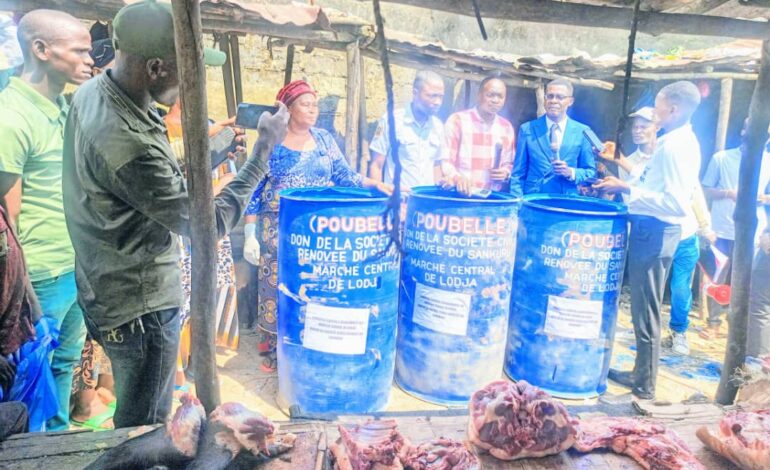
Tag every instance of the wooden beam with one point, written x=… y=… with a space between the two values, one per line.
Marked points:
x=446 y=69
x=214 y=19
x=363 y=150
x=203 y=235
x=227 y=74
x=627 y=76
x=494 y=65
x=540 y=98
x=656 y=76
x=289 y=70
x=594 y=16
x=723 y=120
x=235 y=59
x=352 y=102
x=745 y=226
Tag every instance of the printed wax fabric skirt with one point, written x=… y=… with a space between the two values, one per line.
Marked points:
x=93 y=362
x=226 y=307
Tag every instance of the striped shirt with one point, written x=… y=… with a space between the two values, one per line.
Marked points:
x=471 y=146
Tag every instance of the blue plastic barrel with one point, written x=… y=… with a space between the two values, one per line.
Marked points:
x=337 y=301
x=570 y=255
x=454 y=294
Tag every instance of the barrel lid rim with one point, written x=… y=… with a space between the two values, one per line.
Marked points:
x=533 y=199
x=422 y=192
x=294 y=194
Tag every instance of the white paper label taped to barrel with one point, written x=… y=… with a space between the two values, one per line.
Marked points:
x=336 y=330
x=441 y=310
x=573 y=318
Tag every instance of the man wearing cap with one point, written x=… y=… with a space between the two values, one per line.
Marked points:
x=643 y=133
x=659 y=204
x=124 y=195
x=552 y=155
x=32 y=116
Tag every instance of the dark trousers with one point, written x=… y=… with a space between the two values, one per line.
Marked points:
x=143 y=353
x=13 y=419
x=651 y=248
x=758 y=341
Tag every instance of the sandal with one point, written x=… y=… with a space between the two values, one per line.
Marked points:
x=96 y=423
x=269 y=363
x=711 y=334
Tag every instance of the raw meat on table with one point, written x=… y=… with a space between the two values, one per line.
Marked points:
x=374 y=445
x=743 y=437
x=518 y=420
x=440 y=454
x=652 y=445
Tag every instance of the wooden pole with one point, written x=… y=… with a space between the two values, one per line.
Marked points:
x=353 y=105
x=235 y=59
x=627 y=77
x=363 y=151
x=723 y=121
x=745 y=225
x=192 y=87
x=227 y=74
x=540 y=97
x=289 y=64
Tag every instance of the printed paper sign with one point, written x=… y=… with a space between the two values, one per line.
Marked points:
x=336 y=330
x=573 y=318
x=440 y=310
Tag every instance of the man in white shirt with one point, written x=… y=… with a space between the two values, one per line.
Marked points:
x=659 y=203
x=420 y=136
x=720 y=184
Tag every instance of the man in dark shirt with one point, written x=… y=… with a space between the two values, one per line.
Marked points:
x=124 y=195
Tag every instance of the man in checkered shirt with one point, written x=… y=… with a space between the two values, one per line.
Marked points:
x=480 y=144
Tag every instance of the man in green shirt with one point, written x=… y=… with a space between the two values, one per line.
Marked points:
x=55 y=46
x=124 y=195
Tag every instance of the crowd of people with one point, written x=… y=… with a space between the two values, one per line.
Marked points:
x=94 y=193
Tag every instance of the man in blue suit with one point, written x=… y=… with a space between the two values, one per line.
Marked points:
x=552 y=155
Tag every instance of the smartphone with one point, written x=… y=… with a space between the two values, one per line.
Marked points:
x=248 y=114
x=593 y=140
x=220 y=145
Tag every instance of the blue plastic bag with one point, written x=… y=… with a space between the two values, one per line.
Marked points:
x=34 y=384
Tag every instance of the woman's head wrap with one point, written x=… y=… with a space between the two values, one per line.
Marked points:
x=288 y=94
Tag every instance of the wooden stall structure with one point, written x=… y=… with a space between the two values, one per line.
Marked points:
x=312 y=27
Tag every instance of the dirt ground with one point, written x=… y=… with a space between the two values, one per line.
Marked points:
x=679 y=377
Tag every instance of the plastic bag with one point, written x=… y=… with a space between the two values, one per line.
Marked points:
x=34 y=384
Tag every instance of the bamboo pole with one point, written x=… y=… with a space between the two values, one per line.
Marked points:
x=745 y=226
x=723 y=120
x=192 y=87
x=353 y=106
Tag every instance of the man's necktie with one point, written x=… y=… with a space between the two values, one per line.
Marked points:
x=555 y=131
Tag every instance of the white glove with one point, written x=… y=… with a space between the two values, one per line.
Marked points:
x=251 y=245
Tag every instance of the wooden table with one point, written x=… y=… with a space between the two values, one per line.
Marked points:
x=74 y=450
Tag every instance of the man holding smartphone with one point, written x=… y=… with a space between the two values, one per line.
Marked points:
x=660 y=202
x=552 y=154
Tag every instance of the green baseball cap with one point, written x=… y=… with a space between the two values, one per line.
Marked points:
x=147 y=28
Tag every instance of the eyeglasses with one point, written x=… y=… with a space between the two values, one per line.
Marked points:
x=554 y=96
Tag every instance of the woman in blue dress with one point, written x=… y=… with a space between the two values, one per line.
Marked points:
x=307 y=157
